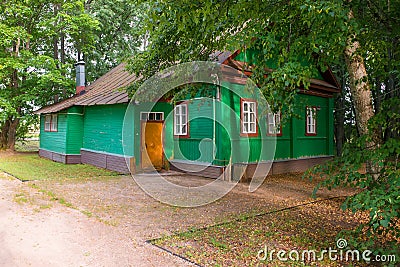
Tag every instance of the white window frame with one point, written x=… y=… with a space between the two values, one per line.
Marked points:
x=248 y=116
x=274 y=123
x=181 y=120
x=51 y=123
x=152 y=116
x=311 y=121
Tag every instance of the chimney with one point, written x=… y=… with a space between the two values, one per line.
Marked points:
x=80 y=77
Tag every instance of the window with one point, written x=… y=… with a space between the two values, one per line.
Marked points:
x=274 y=124
x=151 y=116
x=50 y=123
x=181 y=120
x=311 y=121
x=249 y=117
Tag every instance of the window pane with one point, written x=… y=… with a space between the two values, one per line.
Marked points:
x=54 y=123
x=277 y=118
x=252 y=104
x=246 y=117
x=177 y=110
x=270 y=119
x=252 y=127
x=252 y=117
x=47 y=122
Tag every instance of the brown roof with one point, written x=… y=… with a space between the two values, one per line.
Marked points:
x=220 y=56
x=108 y=89
x=330 y=83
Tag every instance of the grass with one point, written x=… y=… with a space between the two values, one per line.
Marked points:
x=20 y=198
x=27 y=145
x=29 y=167
x=238 y=242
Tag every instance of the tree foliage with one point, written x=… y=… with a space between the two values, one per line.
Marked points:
x=118 y=36
x=33 y=71
x=287 y=34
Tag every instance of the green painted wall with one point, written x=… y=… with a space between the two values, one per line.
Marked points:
x=294 y=143
x=322 y=143
x=74 y=130
x=103 y=128
x=247 y=149
x=54 y=141
x=68 y=138
x=200 y=145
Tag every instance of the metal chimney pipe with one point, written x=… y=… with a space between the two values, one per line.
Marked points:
x=80 y=77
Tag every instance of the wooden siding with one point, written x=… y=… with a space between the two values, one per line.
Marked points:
x=106 y=161
x=58 y=157
x=45 y=153
x=68 y=138
x=278 y=167
x=196 y=169
x=292 y=144
x=248 y=170
x=54 y=141
x=94 y=158
x=199 y=146
x=297 y=165
x=322 y=142
x=252 y=148
x=74 y=130
x=73 y=159
x=103 y=128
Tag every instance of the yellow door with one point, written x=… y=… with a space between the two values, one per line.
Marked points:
x=152 y=150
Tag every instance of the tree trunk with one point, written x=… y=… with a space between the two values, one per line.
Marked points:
x=9 y=129
x=361 y=94
x=12 y=134
x=4 y=135
x=8 y=134
x=62 y=58
x=55 y=38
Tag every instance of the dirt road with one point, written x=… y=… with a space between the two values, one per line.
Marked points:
x=61 y=236
x=107 y=222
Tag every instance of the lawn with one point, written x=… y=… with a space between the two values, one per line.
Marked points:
x=238 y=243
x=29 y=166
x=29 y=145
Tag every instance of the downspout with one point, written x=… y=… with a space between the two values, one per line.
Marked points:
x=216 y=97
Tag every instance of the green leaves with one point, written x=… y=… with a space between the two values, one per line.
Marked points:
x=38 y=43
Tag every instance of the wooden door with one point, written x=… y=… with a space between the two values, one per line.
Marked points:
x=152 y=149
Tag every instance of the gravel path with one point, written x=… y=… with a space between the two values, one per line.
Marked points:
x=107 y=222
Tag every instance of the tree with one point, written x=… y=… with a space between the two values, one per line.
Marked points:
x=118 y=37
x=31 y=70
x=364 y=33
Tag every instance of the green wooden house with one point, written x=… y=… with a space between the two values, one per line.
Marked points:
x=89 y=128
